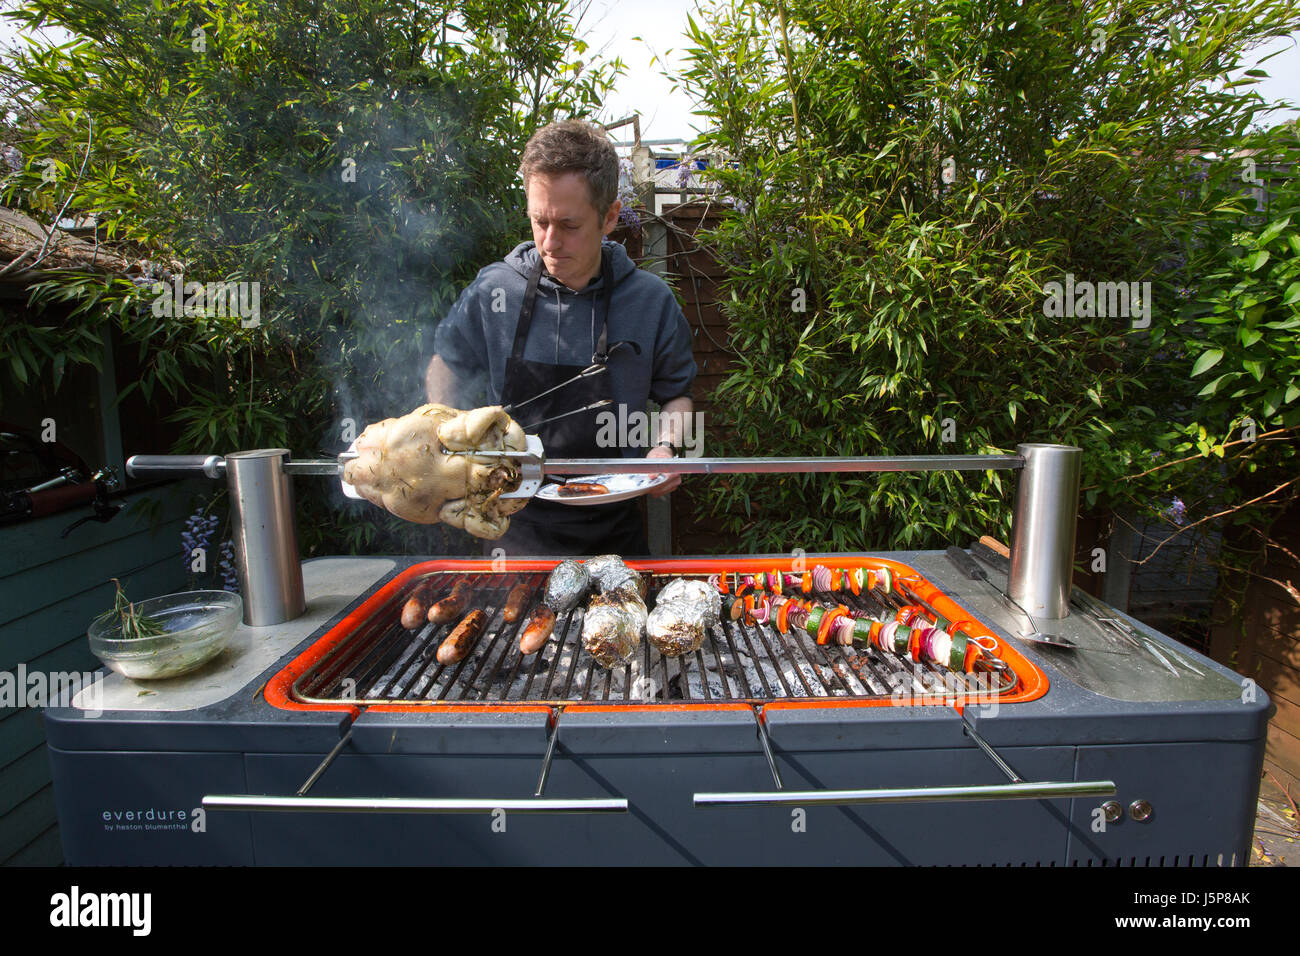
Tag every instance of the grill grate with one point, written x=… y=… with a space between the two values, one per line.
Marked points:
x=383 y=663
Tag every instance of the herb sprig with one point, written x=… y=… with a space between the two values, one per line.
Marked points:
x=134 y=624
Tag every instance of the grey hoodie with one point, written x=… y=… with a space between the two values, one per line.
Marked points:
x=476 y=337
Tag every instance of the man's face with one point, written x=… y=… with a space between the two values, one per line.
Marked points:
x=566 y=227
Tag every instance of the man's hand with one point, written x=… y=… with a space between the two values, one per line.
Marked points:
x=663 y=451
x=672 y=419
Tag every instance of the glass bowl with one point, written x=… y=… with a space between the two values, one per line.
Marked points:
x=197 y=626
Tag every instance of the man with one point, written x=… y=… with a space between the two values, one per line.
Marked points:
x=555 y=306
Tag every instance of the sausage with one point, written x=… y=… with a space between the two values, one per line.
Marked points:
x=462 y=638
x=575 y=488
x=537 y=631
x=416 y=609
x=515 y=601
x=452 y=606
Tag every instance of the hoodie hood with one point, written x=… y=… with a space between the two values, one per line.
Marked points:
x=524 y=257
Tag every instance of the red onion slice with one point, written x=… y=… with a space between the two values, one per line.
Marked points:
x=843 y=630
x=821 y=578
x=887 y=636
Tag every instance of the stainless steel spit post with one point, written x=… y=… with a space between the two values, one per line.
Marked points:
x=1042 y=529
x=266 y=541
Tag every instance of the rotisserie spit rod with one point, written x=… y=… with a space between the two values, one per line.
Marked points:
x=1047 y=493
x=712 y=466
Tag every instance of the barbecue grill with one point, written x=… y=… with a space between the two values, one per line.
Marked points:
x=336 y=737
x=373 y=661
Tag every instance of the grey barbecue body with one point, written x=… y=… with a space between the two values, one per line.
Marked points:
x=1185 y=757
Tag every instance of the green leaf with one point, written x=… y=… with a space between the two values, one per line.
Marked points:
x=1273 y=231
x=889 y=148
x=1207 y=361
x=1213 y=386
x=1256 y=259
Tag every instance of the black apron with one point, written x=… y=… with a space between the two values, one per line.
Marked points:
x=546 y=527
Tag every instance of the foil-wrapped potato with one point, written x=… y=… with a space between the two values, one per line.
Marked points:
x=402 y=465
x=613 y=626
x=684 y=611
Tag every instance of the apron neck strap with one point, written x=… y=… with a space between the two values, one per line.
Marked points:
x=607 y=278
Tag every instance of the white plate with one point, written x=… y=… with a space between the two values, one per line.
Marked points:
x=621 y=487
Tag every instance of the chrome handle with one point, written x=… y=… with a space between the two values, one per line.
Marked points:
x=1003 y=791
x=175 y=466
x=409 y=804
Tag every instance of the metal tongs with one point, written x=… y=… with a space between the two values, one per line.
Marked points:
x=1101 y=617
x=585 y=373
x=967 y=565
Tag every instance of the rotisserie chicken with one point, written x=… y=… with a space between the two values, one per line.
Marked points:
x=403 y=466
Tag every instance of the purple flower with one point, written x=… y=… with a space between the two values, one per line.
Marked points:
x=627 y=217
x=685 y=169
x=197 y=534
x=1176 y=512
x=229 y=576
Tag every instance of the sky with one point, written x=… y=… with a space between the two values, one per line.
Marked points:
x=639 y=30
x=614 y=26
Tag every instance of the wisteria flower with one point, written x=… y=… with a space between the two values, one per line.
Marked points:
x=1176 y=512
x=198 y=533
x=627 y=216
x=685 y=169
x=229 y=576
